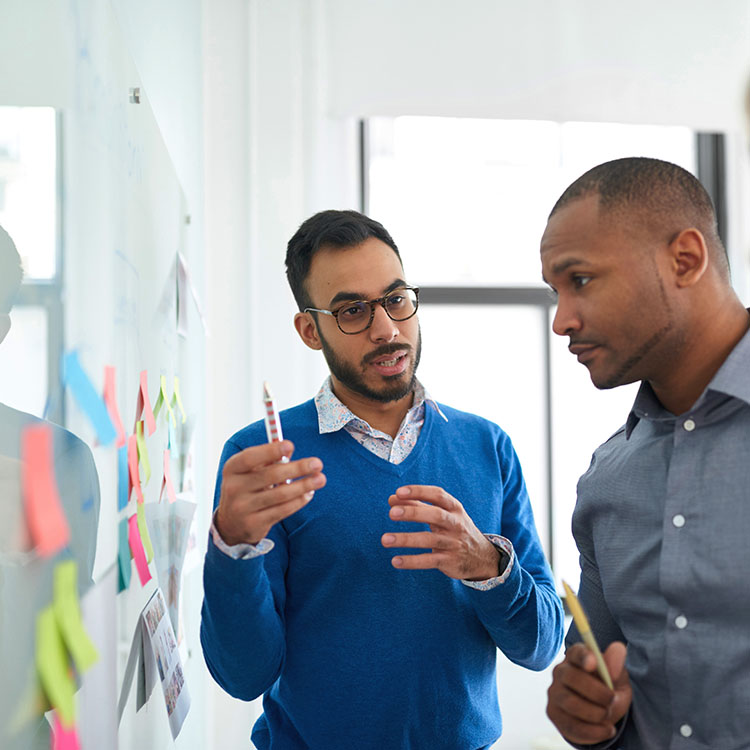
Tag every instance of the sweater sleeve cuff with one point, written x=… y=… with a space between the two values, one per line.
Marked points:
x=507 y=557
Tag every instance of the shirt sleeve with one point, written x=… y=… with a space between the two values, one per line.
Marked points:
x=239 y=551
x=243 y=602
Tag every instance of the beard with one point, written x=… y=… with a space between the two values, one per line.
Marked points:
x=395 y=387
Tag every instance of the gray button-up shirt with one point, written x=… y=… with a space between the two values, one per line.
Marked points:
x=662 y=523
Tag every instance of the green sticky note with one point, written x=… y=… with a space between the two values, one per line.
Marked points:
x=123 y=556
x=53 y=666
x=140 y=440
x=69 y=619
x=143 y=529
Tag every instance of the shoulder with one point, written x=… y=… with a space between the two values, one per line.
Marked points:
x=470 y=423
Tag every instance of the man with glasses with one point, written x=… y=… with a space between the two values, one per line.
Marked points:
x=369 y=616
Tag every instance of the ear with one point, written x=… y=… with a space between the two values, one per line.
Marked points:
x=4 y=326
x=307 y=330
x=689 y=257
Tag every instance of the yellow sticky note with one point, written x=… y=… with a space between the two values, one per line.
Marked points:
x=69 y=619
x=53 y=666
x=163 y=394
x=177 y=399
x=140 y=440
x=143 y=529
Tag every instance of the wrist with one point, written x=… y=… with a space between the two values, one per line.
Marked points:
x=491 y=565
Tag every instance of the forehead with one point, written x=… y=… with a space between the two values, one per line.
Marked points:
x=366 y=269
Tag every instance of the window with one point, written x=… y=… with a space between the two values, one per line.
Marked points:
x=29 y=212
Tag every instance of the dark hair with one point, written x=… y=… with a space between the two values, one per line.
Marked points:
x=337 y=229
x=661 y=192
x=11 y=272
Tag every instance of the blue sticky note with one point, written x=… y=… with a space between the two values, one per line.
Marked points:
x=123 y=555
x=88 y=399
x=174 y=448
x=122 y=477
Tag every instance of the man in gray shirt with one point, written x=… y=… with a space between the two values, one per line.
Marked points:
x=663 y=512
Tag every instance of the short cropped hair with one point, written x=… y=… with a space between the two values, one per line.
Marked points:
x=327 y=229
x=662 y=193
x=11 y=272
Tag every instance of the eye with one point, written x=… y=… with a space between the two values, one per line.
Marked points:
x=353 y=310
x=395 y=300
x=580 y=281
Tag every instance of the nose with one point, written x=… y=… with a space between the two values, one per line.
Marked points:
x=383 y=329
x=566 y=320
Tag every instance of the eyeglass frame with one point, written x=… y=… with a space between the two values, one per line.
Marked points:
x=371 y=302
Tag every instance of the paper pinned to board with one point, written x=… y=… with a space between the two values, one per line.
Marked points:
x=87 y=398
x=123 y=556
x=184 y=282
x=44 y=513
x=140 y=441
x=163 y=400
x=136 y=547
x=177 y=399
x=53 y=666
x=62 y=738
x=110 y=400
x=135 y=479
x=68 y=614
x=143 y=406
x=166 y=481
x=143 y=531
x=123 y=477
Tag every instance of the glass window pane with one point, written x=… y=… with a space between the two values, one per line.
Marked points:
x=489 y=360
x=23 y=361
x=28 y=187
x=582 y=418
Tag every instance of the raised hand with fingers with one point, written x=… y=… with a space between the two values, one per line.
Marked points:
x=258 y=491
x=456 y=546
x=579 y=704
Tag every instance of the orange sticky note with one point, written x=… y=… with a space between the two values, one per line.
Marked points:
x=167 y=480
x=136 y=547
x=144 y=405
x=64 y=739
x=135 y=479
x=110 y=399
x=47 y=523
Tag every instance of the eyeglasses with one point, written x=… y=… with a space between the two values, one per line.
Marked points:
x=357 y=316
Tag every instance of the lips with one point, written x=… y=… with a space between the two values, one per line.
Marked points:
x=391 y=363
x=584 y=351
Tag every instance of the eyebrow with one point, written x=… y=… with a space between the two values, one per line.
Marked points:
x=565 y=264
x=357 y=296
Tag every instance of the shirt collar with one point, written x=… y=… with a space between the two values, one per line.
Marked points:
x=333 y=415
x=731 y=379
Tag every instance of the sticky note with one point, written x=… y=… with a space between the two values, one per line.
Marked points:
x=123 y=556
x=68 y=614
x=172 y=440
x=167 y=480
x=163 y=400
x=136 y=547
x=135 y=479
x=143 y=530
x=53 y=666
x=177 y=399
x=142 y=451
x=110 y=400
x=123 y=478
x=46 y=520
x=88 y=399
x=144 y=404
x=64 y=739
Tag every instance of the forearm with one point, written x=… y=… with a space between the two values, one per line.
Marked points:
x=242 y=634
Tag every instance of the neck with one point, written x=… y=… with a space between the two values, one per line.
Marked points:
x=713 y=335
x=384 y=416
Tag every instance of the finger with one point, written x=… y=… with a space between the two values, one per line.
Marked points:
x=422 y=513
x=257 y=456
x=253 y=501
x=614 y=658
x=427 y=561
x=419 y=539
x=584 y=682
x=272 y=515
x=294 y=470
x=581 y=656
x=429 y=494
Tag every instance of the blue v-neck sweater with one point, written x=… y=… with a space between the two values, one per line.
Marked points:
x=350 y=652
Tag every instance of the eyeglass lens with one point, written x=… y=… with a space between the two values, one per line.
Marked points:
x=355 y=316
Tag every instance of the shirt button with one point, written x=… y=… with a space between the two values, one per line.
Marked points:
x=689 y=425
x=679 y=520
x=681 y=622
x=686 y=730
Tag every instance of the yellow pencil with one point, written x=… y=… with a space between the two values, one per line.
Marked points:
x=582 y=623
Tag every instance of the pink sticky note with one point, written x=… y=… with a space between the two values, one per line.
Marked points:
x=135 y=479
x=110 y=399
x=167 y=480
x=144 y=405
x=47 y=523
x=136 y=547
x=64 y=739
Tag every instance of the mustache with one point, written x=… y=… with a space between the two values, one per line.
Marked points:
x=385 y=349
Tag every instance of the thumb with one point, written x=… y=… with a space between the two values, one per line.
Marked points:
x=614 y=658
